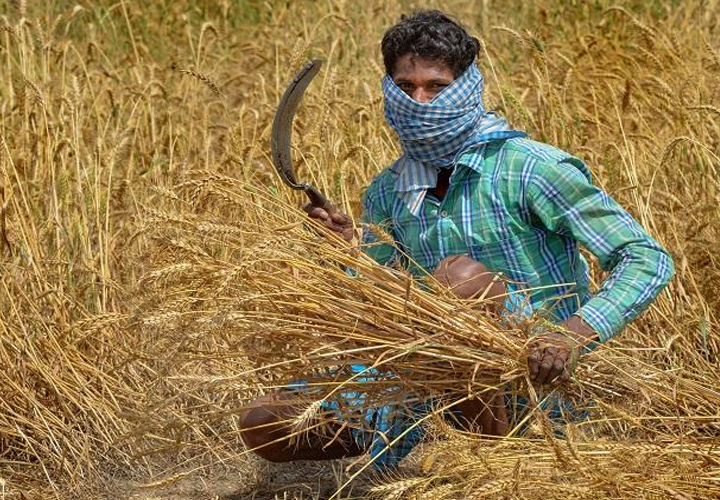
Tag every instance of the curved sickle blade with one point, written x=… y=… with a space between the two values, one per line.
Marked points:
x=280 y=142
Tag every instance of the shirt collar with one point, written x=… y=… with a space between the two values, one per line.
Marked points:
x=413 y=178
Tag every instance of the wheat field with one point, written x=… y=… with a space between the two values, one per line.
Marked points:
x=155 y=273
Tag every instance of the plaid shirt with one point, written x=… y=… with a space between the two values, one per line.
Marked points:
x=522 y=209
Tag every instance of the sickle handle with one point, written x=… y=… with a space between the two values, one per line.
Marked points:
x=317 y=199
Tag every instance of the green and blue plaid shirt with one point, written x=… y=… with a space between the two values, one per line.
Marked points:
x=522 y=208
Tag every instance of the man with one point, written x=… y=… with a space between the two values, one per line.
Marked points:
x=470 y=194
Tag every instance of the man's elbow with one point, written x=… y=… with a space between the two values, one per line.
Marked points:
x=665 y=268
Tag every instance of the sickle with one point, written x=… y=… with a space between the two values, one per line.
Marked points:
x=280 y=141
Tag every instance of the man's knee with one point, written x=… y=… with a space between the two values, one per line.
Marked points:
x=469 y=279
x=263 y=431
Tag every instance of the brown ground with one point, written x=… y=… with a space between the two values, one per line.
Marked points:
x=265 y=481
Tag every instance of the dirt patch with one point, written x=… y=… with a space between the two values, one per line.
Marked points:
x=258 y=480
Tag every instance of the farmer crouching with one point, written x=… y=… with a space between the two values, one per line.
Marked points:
x=469 y=185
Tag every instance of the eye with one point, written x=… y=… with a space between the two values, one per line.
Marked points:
x=406 y=87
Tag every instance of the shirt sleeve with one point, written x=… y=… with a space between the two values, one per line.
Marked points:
x=378 y=237
x=567 y=203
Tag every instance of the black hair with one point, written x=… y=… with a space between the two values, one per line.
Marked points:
x=431 y=35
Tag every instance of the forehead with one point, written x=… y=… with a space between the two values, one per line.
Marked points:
x=411 y=66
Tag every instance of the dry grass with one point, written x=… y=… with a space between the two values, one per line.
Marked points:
x=463 y=467
x=155 y=274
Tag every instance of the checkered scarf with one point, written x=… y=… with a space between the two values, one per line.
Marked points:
x=437 y=133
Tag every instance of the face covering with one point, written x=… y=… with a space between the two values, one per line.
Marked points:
x=435 y=134
x=438 y=132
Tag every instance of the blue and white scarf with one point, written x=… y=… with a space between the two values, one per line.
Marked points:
x=436 y=134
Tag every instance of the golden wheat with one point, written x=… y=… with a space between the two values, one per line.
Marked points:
x=155 y=273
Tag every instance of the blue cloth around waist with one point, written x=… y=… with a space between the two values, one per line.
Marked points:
x=390 y=431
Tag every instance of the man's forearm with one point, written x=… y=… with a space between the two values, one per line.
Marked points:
x=579 y=330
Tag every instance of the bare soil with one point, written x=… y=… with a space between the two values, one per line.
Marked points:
x=303 y=480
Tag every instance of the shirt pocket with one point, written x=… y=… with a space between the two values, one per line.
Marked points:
x=509 y=257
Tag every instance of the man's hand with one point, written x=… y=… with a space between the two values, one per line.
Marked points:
x=335 y=220
x=553 y=354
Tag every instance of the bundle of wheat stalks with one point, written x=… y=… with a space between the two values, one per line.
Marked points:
x=297 y=301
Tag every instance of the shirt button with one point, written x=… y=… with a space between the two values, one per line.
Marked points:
x=443 y=214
